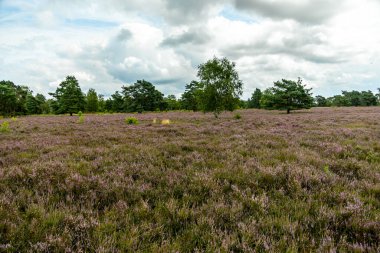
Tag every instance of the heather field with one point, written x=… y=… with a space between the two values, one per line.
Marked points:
x=304 y=182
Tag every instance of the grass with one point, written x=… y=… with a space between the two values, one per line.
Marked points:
x=267 y=182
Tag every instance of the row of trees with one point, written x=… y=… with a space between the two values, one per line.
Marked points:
x=347 y=98
x=217 y=89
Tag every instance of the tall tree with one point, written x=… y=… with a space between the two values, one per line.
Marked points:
x=118 y=104
x=254 y=102
x=172 y=103
x=92 y=101
x=143 y=96
x=220 y=86
x=190 y=98
x=8 y=98
x=321 y=101
x=69 y=97
x=367 y=98
x=287 y=95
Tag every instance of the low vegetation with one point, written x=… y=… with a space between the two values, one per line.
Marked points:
x=307 y=182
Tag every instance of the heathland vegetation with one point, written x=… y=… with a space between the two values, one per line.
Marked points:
x=183 y=181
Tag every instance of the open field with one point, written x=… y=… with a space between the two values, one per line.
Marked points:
x=308 y=181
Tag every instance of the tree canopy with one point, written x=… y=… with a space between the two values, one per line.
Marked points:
x=219 y=85
x=287 y=95
x=254 y=102
x=68 y=97
x=142 y=96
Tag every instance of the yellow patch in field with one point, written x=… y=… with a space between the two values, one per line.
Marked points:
x=165 y=122
x=154 y=121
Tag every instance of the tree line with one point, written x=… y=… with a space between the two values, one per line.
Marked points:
x=217 y=89
x=347 y=99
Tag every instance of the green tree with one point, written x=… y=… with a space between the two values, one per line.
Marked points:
x=32 y=105
x=220 y=86
x=191 y=97
x=172 y=103
x=254 y=102
x=118 y=104
x=287 y=95
x=367 y=98
x=92 y=101
x=69 y=97
x=321 y=101
x=8 y=98
x=101 y=103
x=143 y=96
x=42 y=104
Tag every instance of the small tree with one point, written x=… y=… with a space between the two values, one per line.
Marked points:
x=190 y=98
x=220 y=86
x=92 y=101
x=254 y=102
x=287 y=95
x=69 y=97
x=321 y=101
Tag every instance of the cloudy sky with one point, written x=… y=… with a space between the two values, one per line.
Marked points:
x=333 y=45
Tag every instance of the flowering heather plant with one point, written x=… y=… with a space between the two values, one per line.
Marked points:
x=305 y=183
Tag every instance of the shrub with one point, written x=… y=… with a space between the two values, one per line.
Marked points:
x=14 y=119
x=131 y=121
x=81 y=119
x=237 y=116
x=4 y=127
x=80 y=113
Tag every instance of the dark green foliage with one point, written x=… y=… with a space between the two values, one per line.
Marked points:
x=37 y=104
x=13 y=98
x=287 y=95
x=143 y=96
x=172 y=103
x=92 y=101
x=8 y=101
x=68 y=97
x=220 y=86
x=321 y=101
x=254 y=102
x=367 y=98
x=190 y=98
x=118 y=104
x=101 y=103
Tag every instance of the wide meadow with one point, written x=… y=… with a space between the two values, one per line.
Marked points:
x=308 y=181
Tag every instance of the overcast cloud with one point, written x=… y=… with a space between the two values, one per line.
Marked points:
x=332 y=45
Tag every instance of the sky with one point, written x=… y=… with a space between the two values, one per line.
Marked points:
x=332 y=45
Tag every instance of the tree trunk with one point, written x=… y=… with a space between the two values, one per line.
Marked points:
x=71 y=114
x=288 y=111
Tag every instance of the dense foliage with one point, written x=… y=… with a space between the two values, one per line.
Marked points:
x=219 y=85
x=68 y=97
x=287 y=95
x=349 y=98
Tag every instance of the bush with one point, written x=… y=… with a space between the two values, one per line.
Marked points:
x=80 y=113
x=4 y=127
x=81 y=119
x=237 y=116
x=14 y=119
x=131 y=121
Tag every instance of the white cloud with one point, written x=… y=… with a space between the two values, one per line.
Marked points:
x=333 y=45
